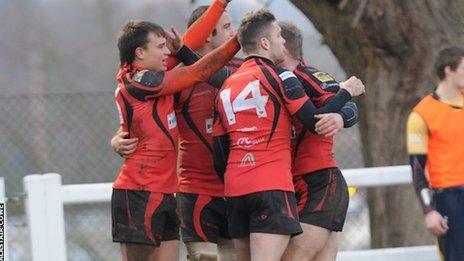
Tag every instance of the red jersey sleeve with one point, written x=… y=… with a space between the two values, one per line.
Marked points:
x=197 y=33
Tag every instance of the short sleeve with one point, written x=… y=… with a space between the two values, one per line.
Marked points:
x=417 y=134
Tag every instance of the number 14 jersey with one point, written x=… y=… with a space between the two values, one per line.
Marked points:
x=254 y=107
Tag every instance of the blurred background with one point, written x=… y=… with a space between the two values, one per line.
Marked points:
x=58 y=60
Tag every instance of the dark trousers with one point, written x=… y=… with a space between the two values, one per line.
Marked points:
x=450 y=204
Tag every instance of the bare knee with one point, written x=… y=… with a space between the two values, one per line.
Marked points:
x=268 y=247
x=330 y=249
x=308 y=244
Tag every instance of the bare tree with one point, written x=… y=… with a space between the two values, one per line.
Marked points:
x=390 y=45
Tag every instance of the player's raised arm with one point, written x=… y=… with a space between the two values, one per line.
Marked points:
x=184 y=77
x=198 y=32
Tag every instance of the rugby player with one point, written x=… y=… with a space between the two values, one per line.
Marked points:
x=143 y=206
x=252 y=140
x=321 y=191
x=200 y=200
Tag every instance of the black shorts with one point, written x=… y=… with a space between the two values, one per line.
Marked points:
x=272 y=212
x=202 y=218
x=143 y=217
x=322 y=198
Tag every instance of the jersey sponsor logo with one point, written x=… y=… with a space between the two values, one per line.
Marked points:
x=330 y=85
x=287 y=74
x=248 y=129
x=209 y=125
x=248 y=160
x=246 y=142
x=323 y=77
x=172 y=120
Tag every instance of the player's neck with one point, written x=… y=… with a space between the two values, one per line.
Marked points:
x=260 y=54
x=448 y=91
x=139 y=66
x=289 y=63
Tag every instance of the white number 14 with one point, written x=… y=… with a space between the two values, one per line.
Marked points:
x=242 y=103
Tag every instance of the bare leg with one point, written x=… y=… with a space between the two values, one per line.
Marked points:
x=242 y=248
x=267 y=247
x=168 y=251
x=329 y=252
x=137 y=252
x=306 y=245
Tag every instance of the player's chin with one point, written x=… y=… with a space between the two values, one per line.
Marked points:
x=164 y=66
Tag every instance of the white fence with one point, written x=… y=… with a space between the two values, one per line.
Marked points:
x=46 y=197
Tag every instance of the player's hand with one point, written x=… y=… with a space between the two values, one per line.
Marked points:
x=122 y=145
x=354 y=86
x=328 y=124
x=173 y=40
x=436 y=223
x=225 y=1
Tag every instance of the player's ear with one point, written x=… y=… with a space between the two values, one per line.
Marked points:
x=448 y=70
x=264 y=43
x=139 y=52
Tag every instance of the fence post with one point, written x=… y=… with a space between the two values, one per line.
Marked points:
x=44 y=208
x=4 y=221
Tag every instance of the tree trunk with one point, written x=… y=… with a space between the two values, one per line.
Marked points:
x=391 y=46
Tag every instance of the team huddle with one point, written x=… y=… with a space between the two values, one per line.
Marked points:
x=237 y=154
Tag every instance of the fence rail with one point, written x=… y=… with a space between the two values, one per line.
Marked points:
x=46 y=197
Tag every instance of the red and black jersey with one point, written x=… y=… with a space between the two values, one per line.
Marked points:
x=254 y=109
x=311 y=152
x=152 y=167
x=146 y=105
x=194 y=109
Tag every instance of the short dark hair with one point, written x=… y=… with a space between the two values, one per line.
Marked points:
x=293 y=39
x=133 y=35
x=196 y=14
x=254 y=26
x=449 y=56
